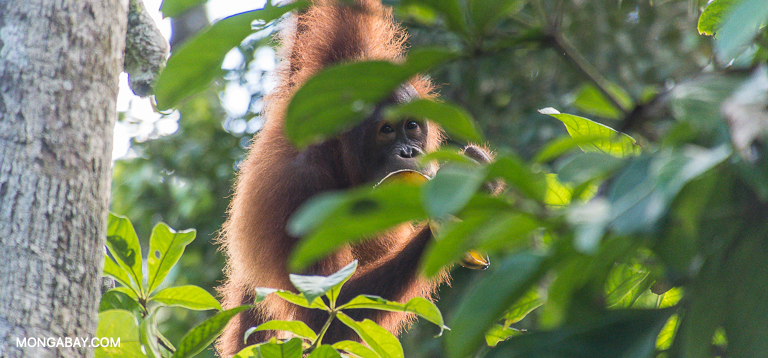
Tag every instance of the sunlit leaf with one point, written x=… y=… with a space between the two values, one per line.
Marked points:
x=165 y=249
x=174 y=8
x=592 y=101
x=324 y=351
x=114 y=299
x=123 y=244
x=379 y=339
x=190 y=297
x=612 y=142
x=417 y=305
x=498 y=333
x=118 y=324
x=712 y=18
x=356 y=349
x=298 y=328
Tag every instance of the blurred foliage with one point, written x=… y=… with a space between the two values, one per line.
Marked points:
x=630 y=255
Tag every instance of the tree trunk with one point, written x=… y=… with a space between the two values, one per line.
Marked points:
x=59 y=67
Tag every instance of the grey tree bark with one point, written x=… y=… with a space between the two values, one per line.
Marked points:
x=59 y=67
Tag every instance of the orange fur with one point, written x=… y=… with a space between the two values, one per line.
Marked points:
x=271 y=186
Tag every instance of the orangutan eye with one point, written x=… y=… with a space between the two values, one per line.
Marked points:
x=386 y=129
x=411 y=125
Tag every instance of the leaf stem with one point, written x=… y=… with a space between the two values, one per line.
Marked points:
x=327 y=324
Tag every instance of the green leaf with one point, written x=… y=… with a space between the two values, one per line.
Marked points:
x=612 y=142
x=298 y=328
x=453 y=240
x=313 y=287
x=262 y=293
x=623 y=281
x=587 y=166
x=641 y=194
x=340 y=96
x=525 y=305
x=592 y=101
x=617 y=334
x=453 y=119
x=487 y=301
x=112 y=269
x=712 y=18
x=558 y=194
x=201 y=336
x=451 y=10
x=356 y=349
x=165 y=249
x=289 y=349
x=173 y=8
x=198 y=61
x=300 y=300
x=363 y=213
x=563 y=145
x=324 y=351
x=740 y=27
x=485 y=13
x=379 y=339
x=190 y=297
x=113 y=299
x=149 y=335
x=516 y=173
x=118 y=324
x=417 y=305
x=123 y=244
x=498 y=333
x=450 y=190
x=446 y=154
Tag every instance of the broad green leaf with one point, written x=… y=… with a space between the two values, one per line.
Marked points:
x=453 y=119
x=563 y=145
x=740 y=26
x=313 y=287
x=114 y=299
x=622 y=282
x=712 y=18
x=525 y=305
x=417 y=305
x=454 y=239
x=558 y=194
x=356 y=349
x=289 y=349
x=451 y=10
x=201 y=336
x=118 y=324
x=641 y=194
x=190 y=297
x=485 y=13
x=310 y=217
x=589 y=220
x=379 y=339
x=591 y=101
x=450 y=189
x=165 y=249
x=198 y=61
x=498 y=333
x=516 y=173
x=173 y=8
x=123 y=244
x=128 y=291
x=363 y=213
x=612 y=142
x=588 y=166
x=324 y=351
x=298 y=328
x=617 y=334
x=486 y=302
x=340 y=96
x=446 y=154
x=506 y=231
x=262 y=293
x=112 y=269
x=667 y=333
x=300 y=300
